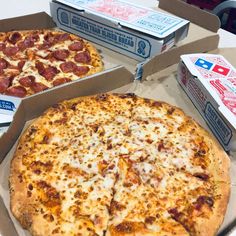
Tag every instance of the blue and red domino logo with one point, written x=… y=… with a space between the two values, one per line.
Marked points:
x=212 y=67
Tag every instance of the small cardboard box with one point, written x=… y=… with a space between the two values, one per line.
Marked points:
x=210 y=82
x=127 y=28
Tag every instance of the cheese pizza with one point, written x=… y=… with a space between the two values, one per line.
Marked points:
x=35 y=60
x=118 y=164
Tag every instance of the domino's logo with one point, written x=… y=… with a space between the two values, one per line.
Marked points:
x=212 y=67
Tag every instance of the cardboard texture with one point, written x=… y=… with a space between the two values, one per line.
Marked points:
x=160 y=86
x=199 y=39
x=196 y=33
x=39 y=20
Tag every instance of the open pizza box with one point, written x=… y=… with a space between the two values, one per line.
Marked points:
x=201 y=37
x=159 y=86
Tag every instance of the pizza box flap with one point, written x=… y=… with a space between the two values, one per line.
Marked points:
x=39 y=20
x=130 y=15
x=194 y=14
x=6 y=225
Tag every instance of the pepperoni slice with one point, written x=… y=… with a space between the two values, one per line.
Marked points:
x=62 y=37
x=17 y=91
x=26 y=43
x=4 y=84
x=2 y=46
x=38 y=87
x=27 y=81
x=29 y=42
x=40 y=67
x=76 y=46
x=34 y=37
x=20 y=65
x=60 y=81
x=61 y=54
x=45 y=45
x=81 y=70
x=50 y=72
x=68 y=66
x=49 y=37
x=21 y=46
x=14 y=37
x=3 y=63
x=82 y=57
x=10 y=51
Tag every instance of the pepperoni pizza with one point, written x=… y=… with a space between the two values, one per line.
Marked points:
x=117 y=164
x=33 y=61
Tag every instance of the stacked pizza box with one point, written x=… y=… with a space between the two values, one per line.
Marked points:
x=210 y=82
x=123 y=156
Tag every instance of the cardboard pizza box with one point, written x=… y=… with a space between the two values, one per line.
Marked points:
x=210 y=82
x=160 y=86
x=133 y=30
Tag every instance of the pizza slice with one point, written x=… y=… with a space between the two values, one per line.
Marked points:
x=136 y=209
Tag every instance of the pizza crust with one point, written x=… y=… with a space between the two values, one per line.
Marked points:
x=220 y=168
x=24 y=211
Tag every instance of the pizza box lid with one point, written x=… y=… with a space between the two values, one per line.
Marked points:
x=129 y=15
x=160 y=86
x=221 y=84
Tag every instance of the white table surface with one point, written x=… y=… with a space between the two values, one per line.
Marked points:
x=13 y=8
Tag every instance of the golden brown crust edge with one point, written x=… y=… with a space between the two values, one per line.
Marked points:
x=220 y=169
x=22 y=209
